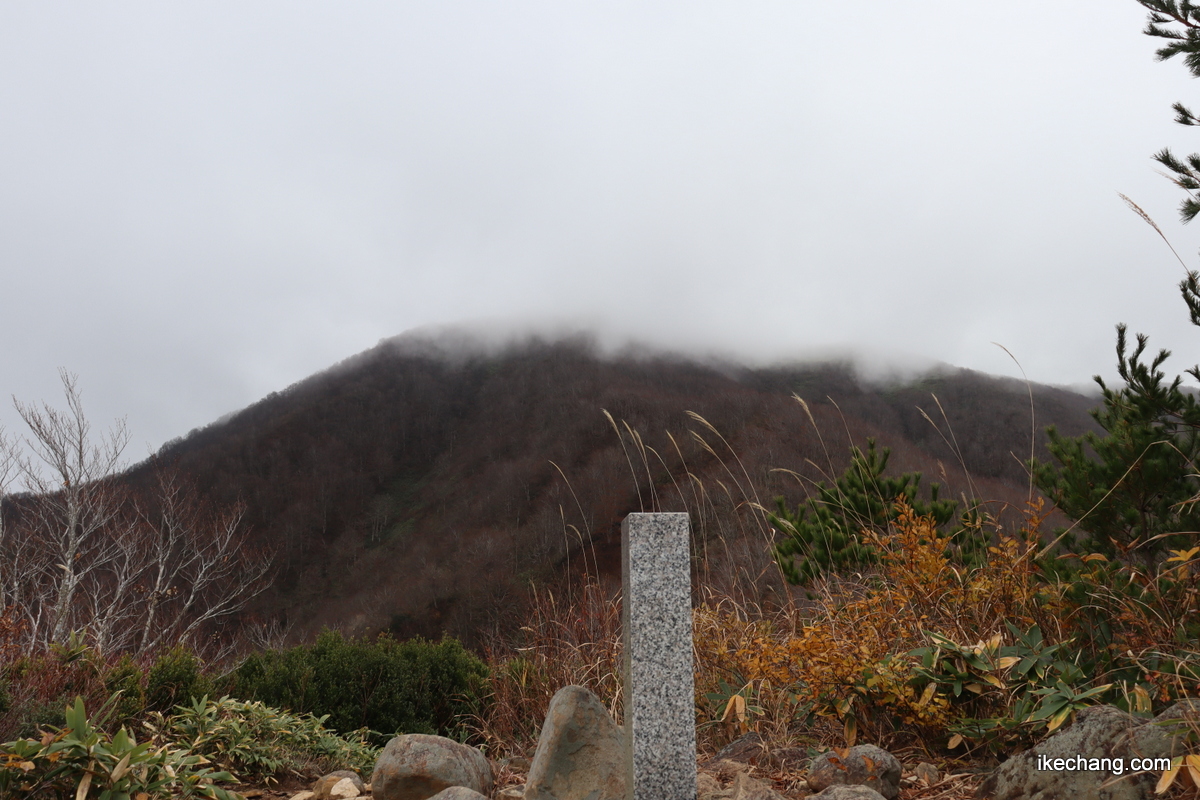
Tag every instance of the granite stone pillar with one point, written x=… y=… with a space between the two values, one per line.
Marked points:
x=660 y=715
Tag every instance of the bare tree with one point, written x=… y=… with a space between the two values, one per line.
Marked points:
x=199 y=567
x=7 y=472
x=109 y=600
x=271 y=634
x=79 y=551
x=71 y=502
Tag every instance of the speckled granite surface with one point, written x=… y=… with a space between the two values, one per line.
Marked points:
x=660 y=721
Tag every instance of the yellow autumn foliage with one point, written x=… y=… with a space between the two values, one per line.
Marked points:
x=846 y=655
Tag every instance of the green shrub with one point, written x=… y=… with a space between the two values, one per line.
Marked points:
x=82 y=758
x=824 y=534
x=414 y=686
x=126 y=677
x=281 y=678
x=1007 y=694
x=38 y=716
x=175 y=678
x=253 y=739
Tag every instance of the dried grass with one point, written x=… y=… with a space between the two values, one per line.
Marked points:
x=569 y=641
x=813 y=669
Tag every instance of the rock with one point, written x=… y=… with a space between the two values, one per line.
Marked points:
x=840 y=791
x=305 y=795
x=749 y=749
x=1151 y=739
x=747 y=788
x=706 y=785
x=511 y=793
x=458 y=793
x=787 y=757
x=340 y=784
x=416 y=766
x=1099 y=732
x=926 y=773
x=744 y=788
x=727 y=770
x=343 y=789
x=580 y=753
x=861 y=765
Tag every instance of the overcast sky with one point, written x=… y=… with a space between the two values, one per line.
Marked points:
x=201 y=203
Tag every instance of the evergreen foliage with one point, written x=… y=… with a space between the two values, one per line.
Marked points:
x=388 y=686
x=124 y=679
x=1133 y=491
x=824 y=533
x=1134 y=486
x=1164 y=14
x=175 y=678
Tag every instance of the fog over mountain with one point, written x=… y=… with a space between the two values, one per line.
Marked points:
x=204 y=204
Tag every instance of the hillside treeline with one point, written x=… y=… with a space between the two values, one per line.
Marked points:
x=421 y=490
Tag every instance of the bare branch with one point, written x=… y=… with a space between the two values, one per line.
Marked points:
x=79 y=552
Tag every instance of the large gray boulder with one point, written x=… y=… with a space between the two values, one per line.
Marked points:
x=1109 y=739
x=863 y=765
x=416 y=767
x=580 y=754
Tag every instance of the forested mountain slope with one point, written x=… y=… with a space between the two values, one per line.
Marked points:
x=419 y=488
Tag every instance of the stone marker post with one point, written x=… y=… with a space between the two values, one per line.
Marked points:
x=660 y=716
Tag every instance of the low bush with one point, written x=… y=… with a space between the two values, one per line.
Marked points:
x=384 y=685
x=858 y=656
x=82 y=759
x=188 y=753
x=42 y=684
x=254 y=740
x=175 y=677
x=126 y=680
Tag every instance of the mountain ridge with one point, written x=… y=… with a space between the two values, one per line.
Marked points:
x=420 y=486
